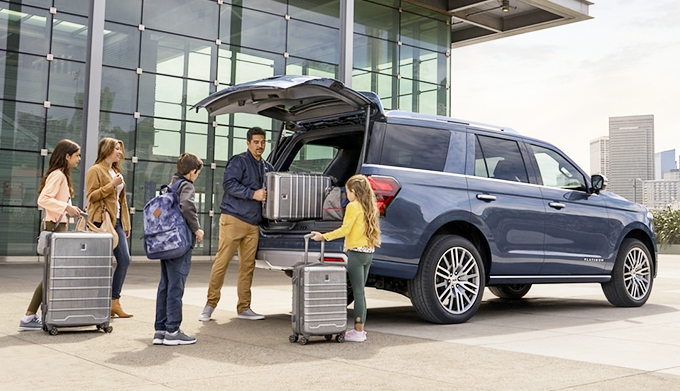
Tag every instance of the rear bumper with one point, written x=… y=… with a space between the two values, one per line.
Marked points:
x=286 y=260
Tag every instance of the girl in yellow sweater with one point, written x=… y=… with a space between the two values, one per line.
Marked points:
x=362 y=234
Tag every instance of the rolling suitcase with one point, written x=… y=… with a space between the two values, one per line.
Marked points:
x=77 y=281
x=295 y=196
x=319 y=300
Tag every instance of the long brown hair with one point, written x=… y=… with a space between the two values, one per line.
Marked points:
x=106 y=147
x=366 y=197
x=58 y=161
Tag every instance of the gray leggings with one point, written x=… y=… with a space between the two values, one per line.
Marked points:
x=357 y=268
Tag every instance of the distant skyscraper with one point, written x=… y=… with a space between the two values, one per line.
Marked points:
x=631 y=154
x=599 y=156
x=664 y=162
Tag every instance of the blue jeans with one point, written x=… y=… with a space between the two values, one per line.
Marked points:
x=122 y=255
x=174 y=274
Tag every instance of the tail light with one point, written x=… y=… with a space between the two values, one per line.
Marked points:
x=333 y=259
x=385 y=188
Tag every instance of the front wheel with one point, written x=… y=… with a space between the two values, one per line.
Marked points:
x=632 y=277
x=449 y=284
x=511 y=292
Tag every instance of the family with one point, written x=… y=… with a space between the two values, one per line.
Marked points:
x=241 y=214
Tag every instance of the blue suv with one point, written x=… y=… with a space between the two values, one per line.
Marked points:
x=464 y=205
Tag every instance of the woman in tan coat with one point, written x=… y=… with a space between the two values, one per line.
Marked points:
x=106 y=194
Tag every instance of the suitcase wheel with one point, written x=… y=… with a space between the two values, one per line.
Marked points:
x=328 y=337
x=303 y=340
x=293 y=338
x=105 y=328
x=340 y=338
x=54 y=331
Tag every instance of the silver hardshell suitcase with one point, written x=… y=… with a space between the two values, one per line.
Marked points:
x=295 y=196
x=77 y=281
x=319 y=299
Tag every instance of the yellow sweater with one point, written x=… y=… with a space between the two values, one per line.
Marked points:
x=353 y=227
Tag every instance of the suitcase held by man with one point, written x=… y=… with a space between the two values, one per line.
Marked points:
x=319 y=300
x=77 y=280
x=294 y=196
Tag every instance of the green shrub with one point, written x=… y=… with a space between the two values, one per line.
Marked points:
x=667 y=226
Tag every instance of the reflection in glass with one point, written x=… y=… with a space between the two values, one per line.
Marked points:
x=376 y=20
x=23 y=77
x=19 y=228
x=118 y=126
x=80 y=7
x=119 y=90
x=23 y=125
x=67 y=83
x=121 y=45
x=124 y=11
x=373 y=54
x=326 y=13
x=298 y=66
x=424 y=32
x=20 y=174
x=252 y=29
x=195 y=18
x=24 y=31
x=69 y=37
x=314 y=42
x=62 y=123
x=176 y=55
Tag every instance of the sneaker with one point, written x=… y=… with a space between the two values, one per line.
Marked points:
x=355 y=336
x=249 y=315
x=158 y=337
x=34 y=324
x=177 y=338
x=206 y=314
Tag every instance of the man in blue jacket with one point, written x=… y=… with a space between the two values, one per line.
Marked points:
x=241 y=214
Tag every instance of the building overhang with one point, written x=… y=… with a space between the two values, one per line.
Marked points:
x=475 y=21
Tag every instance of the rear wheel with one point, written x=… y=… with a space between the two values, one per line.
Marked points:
x=631 y=282
x=512 y=292
x=449 y=284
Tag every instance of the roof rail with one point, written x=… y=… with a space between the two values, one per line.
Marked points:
x=441 y=118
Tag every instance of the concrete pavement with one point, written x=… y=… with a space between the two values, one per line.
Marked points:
x=559 y=337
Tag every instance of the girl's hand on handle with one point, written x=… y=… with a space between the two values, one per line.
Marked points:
x=72 y=211
x=316 y=236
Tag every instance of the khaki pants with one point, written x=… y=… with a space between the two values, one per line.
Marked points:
x=234 y=234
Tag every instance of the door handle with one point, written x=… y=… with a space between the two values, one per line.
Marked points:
x=486 y=197
x=556 y=205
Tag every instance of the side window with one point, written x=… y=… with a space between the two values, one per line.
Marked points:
x=313 y=158
x=499 y=159
x=556 y=171
x=414 y=147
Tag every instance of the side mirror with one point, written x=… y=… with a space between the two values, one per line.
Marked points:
x=599 y=183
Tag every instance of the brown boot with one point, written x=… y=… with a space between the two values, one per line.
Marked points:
x=116 y=309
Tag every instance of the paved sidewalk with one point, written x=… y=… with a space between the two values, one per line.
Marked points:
x=559 y=337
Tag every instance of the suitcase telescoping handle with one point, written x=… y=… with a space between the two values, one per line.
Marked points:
x=323 y=249
x=83 y=215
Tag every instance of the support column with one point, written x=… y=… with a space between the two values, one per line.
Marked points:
x=93 y=86
x=346 y=41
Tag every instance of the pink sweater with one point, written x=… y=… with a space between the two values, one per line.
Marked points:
x=55 y=196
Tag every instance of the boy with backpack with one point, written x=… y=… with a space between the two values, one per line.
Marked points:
x=174 y=271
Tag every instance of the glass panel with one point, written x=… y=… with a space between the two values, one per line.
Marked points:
x=556 y=171
x=62 y=123
x=273 y=6
x=121 y=46
x=421 y=64
x=118 y=126
x=25 y=30
x=69 y=37
x=150 y=142
x=196 y=91
x=119 y=90
x=298 y=66
x=39 y=3
x=195 y=18
x=406 y=94
x=124 y=11
x=326 y=13
x=22 y=126
x=373 y=54
x=412 y=147
x=19 y=228
x=224 y=63
x=150 y=176
x=313 y=158
x=221 y=149
x=23 y=77
x=503 y=159
x=376 y=20
x=427 y=98
x=247 y=121
x=160 y=96
x=196 y=144
x=67 y=83
x=378 y=83
x=253 y=29
x=80 y=7
x=424 y=32
x=20 y=175
x=175 y=55
x=313 y=42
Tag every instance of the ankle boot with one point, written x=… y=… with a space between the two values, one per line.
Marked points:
x=116 y=309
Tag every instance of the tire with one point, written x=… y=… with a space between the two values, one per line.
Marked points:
x=632 y=276
x=511 y=292
x=449 y=285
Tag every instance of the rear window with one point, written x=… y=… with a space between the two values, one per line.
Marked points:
x=415 y=147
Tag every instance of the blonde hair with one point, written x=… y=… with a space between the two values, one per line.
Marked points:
x=366 y=197
x=106 y=147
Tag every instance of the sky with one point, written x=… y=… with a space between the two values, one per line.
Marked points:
x=562 y=84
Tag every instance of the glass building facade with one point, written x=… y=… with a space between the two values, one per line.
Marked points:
x=162 y=56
